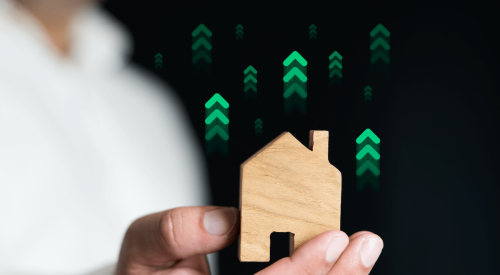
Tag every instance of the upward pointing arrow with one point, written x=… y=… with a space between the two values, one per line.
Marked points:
x=250 y=77
x=250 y=68
x=379 y=41
x=312 y=26
x=158 y=55
x=335 y=54
x=335 y=62
x=368 y=134
x=239 y=26
x=201 y=41
x=201 y=28
x=217 y=114
x=295 y=71
x=368 y=88
x=295 y=56
x=368 y=149
x=216 y=98
x=258 y=121
x=380 y=28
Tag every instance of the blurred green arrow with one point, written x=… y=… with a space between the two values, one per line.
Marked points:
x=250 y=77
x=295 y=88
x=335 y=54
x=335 y=72
x=295 y=56
x=216 y=130
x=335 y=63
x=380 y=28
x=202 y=54
x=368 y=134
x=250 y=68
x=379 y=42
x=250 y=86
x=201 y=41
x=216 y=114
x=368 y=165
x=368 y=149
x=201 y=28
x=216 y=98
x=295 y=72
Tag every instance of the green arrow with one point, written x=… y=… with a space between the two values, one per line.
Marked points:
x=335 y=54
x=158 y=61
x=313 y=32
x=201 y=54
x=335 y=72
x=335 y=62
x=292 y=57
x=258 y=126
x=250 y=86
x=379 y=41
x=158 y=55
x=368 y=93
x=201 y=28
x=201 y=41
x=217 y=130
x=216 y=98
x=368 y=165
x=368 y=88
x=295 y=71
x=250 y=77
x=250 y=68
x=239 y=31
x=380 y=28
x=380 y=54
x=368 y=134
x=368 y=149
x=216 y=114
x=239 y=26
x=258 y=120
x=295 y=88
x=312 y=26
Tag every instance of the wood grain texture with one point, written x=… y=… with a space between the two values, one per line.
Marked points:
x=286 y=187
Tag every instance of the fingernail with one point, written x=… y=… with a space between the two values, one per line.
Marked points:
x=370 y=250
x=219 y=221
x=335 y=248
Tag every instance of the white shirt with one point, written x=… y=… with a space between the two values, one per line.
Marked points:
x=88 y=144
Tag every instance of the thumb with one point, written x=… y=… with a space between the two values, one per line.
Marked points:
x=162 y=238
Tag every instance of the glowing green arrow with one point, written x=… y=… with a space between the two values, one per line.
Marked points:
x=380 y=28
x=380 y=41
x=250 y=86
x=335 y=54
x=335 y=62
x=295 y=56
x=250 y=68
x=368 y=165
x=201 y=28
x=335 y=72
x=379 y=54
x=295 y=88
x=368 y=134
x=216 y=114
x=368 y=149
x=295 y=72
x=202 y=54
x=250 y=77
x=216 y=98
x=216 y=130
x=201 y=41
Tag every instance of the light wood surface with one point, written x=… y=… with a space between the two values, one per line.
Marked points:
x=286 y=187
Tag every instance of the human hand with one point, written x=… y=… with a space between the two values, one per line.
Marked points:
x=176 y=242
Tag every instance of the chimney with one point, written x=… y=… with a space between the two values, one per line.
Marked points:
x=318 y=143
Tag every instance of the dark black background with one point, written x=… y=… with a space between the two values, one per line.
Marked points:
x=437 y=113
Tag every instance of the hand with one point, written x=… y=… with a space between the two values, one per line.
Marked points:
x=176 y=242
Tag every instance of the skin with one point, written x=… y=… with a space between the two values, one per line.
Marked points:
x=169 y=242
x=176 y=241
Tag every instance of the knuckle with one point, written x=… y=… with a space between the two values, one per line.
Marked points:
x=171 y=227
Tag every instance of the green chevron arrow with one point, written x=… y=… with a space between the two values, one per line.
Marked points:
x=367 y=165
x=250 y=86
x=335 y=72
x=368 y=134
x=250 y=68
x=202 y=54
x=335 y=62
x=216 y=98
x=335 y=54
x=295 y=56
x=380 y=41
x=368 y=88
x=295 y=88
x=239 y=26
x=312 y=26
x=158 y=55
x=379 y=54
x=368 y=149
x=201 y=41
x=216 y=114
x=380 y=28
x=295 y=72
x=250 y=77
x=239 y=32
x=368 y=93
x=216 y=130
x=313 y=32
x=201 y=28
x=258 y=120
